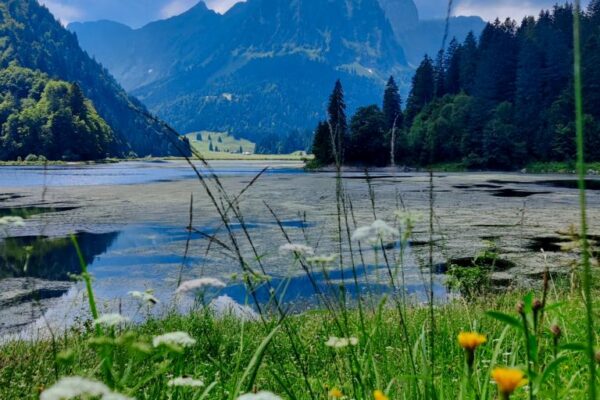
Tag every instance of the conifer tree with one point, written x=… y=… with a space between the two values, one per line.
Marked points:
x=452 y=62
x=422 y=91
x=322 y=148
x=468 y=62
x=439 y=75
x=337 y=120
x=392 y=105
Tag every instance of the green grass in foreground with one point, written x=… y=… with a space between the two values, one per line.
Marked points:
x=297 y=363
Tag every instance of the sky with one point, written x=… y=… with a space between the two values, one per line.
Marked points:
x=136 y=13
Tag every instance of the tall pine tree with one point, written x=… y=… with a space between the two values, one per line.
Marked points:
x=337 y=121
x=394 y=119
x=422 y=91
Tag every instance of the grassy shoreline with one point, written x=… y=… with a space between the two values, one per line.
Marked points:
x=225 y=346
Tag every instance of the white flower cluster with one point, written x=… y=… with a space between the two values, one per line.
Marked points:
x=186 y=382
x=11 y=221
x=144 y=297
x=322 y=259
x=259 y=396
x=111 y=320
x=378 y=230
x=201 y=283
x=296 y=249
x=76 y=387
x=181 y=339
x=338 y=343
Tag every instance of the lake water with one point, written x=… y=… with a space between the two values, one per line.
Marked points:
x=131 y=220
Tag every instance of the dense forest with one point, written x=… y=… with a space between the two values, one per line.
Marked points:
x=41 y=116
x=498 y=102
x=31 y=38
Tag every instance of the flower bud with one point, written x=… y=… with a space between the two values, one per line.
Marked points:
x=537 y=305
x=556 y=331
x=521 y=308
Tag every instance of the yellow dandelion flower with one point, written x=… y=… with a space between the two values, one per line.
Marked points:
x=379 y=395
x=471 y=340
x=508 y=380
x=335 y=393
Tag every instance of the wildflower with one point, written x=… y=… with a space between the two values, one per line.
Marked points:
x=322 y=259
x=259 y=396
x=76 y=386
x=296 y=249
x=378 y=230
x=508 y=380
x=11 y=221
x=199 y=284
x=178 y=339
x=471 y=340
x=111 y=320
x=336 y=393
x=521 y=308
x=339 y=343
x=379 y=395
x=144 y=297
x=183 y=381
x=556 y=331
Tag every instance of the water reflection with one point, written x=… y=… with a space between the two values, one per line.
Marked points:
x=52 y=259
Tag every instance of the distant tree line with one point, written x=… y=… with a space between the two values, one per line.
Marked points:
x=295 y=140
x=498 y=102
x=52 y=118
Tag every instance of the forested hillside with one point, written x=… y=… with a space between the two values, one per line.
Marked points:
x=30 y=37
x=40 y=116
x=498 y=102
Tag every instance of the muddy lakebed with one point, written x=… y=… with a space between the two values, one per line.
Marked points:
x=131 y=221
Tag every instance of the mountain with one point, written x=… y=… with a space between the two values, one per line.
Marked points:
x=426 y=37
x=30 y=37
x=402 y=14
x=265 y=67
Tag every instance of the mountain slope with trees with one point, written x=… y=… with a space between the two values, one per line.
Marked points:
x=40 y=116
x=262 y=69
x=30 y=37
x=499 y=102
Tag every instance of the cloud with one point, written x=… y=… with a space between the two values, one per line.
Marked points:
x=176 y=7
x=65 y=13
x=221 y=6
x=489 y=11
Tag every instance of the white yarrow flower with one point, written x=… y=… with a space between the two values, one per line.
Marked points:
x=144 y=297
x=111 y=320
x=378 y=230
x=338 y=343
x=199 y=284
x=181 y=339
x=11 y=221
x=259 y=396
x=183 y=381
x=296 y=249
x=322 y=259
x=77 y=387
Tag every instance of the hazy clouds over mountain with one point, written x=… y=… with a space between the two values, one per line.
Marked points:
x=136 y=13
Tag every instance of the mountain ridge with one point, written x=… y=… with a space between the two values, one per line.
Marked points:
x=33 y=38
x=211 y=70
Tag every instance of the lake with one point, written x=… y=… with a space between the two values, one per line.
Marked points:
x=131 y=221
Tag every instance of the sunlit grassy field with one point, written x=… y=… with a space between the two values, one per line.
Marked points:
x=293 y=359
